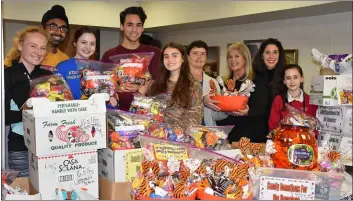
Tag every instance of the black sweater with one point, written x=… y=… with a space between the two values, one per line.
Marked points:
x=17 y=88
x=255 y=125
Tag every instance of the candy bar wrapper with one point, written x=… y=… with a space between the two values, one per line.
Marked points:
x=153 y=106
x=133 y=68
x=207 y=137
x=97 y=77
x=167 y=132
x=53 y=87
x=124 y=127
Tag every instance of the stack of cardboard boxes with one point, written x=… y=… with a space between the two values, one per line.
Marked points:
x=62 y=139
x=333 y=95
x=118 y=165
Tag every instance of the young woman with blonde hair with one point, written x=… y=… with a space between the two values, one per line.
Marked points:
x=29 y=49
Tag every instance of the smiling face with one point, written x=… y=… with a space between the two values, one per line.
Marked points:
x=292 y=79
x=236 y=60
x=271 y=56
x=132 y=28
x=197 y=57
x=172 y=59
x=57 y=30
x=33 y=49
x=85 y=46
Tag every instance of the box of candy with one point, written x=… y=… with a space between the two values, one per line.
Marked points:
x=119 y=165
x=65 y=127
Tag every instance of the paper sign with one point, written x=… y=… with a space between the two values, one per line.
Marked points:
x=165 y=152
x=276 y=188
x=347 y=123
x=133 y=161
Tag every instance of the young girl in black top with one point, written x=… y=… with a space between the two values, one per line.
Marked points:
x=31 y=44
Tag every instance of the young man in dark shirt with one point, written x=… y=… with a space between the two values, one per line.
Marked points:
x=132 y=20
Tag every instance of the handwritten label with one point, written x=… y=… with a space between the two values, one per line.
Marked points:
x=165 y=151
x=92 y=124
x=133 y=161
x=85 y=177
x=275 y=188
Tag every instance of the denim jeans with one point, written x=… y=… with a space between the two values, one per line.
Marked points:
x=18 y=160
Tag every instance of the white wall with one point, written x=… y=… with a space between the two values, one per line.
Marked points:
x=328 y=33
x=109 y=38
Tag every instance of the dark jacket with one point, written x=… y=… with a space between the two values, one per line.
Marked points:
x=255 y=125
x=17 y=88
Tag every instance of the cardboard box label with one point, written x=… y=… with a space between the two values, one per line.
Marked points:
x=166 y=151
x=276 y=188
x=77 y=170
x=60 y=134
x=133 y=159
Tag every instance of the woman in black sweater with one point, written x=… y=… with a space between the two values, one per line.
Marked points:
x=31 y=45
x=268 y=64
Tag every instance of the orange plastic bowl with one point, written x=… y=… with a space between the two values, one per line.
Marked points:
x=231 y=103
x=190 y=197
x=204 y=196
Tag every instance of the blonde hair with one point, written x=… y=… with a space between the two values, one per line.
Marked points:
x=15 y=53
x=245 y=52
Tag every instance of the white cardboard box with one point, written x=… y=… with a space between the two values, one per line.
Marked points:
x=65 y=127
x=325 y=89
x=119 y=165
x=66 y=171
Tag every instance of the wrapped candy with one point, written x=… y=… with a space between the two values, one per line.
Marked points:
x=133 y=68
x=53 y=87
x=124 y=127
x=212 y=138
x=164 y=131
x=231 y=100
x=329 y=159
x=153 y=106
x=97 y=77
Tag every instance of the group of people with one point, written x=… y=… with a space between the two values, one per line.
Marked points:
x=176 y=71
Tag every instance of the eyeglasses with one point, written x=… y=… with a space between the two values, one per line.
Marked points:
x=55 y=27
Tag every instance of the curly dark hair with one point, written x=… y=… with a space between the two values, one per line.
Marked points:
x=261 y=69
x=184 y=83
x=134 y=10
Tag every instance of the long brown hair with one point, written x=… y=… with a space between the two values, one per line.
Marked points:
x=182 y=91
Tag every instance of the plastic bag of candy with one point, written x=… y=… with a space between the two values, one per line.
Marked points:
x=124 y=127
x=52 y=69
x=329 y=159
x=213 y=175
x=153 y=106
x=97 y=77
x=164 y=131
x=133 y=68
x=53 y=87
x=209 y=137
x=298 y=118
x=7 y=178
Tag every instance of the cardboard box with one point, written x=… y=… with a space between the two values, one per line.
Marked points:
x=109 y=190
x=326 y=89
x=65 y=171
x=65 y=127
x=119 y=165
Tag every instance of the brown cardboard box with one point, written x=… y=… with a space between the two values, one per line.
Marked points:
x=22 y=182
x=114 y=190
